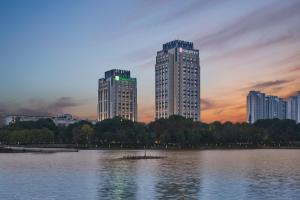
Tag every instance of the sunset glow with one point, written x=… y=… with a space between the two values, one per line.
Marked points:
x=52 y=53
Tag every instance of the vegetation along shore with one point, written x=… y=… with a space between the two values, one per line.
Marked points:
x=175 y=132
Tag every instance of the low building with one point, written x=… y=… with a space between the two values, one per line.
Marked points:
x=64 y=120
x=61 y=120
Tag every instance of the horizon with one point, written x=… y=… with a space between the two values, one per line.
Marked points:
x=54 y=52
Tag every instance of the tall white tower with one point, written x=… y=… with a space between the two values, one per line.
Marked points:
x=177 y=81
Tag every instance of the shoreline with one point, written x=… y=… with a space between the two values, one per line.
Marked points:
x=71 y=148
x=24 y=149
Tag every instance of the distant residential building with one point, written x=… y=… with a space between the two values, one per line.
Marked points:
x=298 y=107
x=262 y=106
x=292 y=108
x=177 y=81
x=61 y=120
x=275 y=108
x=117 y=95
x=282 y=109
x=256 y=106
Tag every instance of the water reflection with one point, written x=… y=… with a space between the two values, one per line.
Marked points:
x=95 y=175
x=179 y=177
x=176 y=177
x=201 y=175
x=117 y=179
x=280 y=178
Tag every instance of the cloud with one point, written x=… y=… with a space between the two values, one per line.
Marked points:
x=196 y=6
x=219 y=111
x=289 y=64
x=32 y=112
x=268 y=84
x=5 y=107
x=293 y=69
x=36 y=107
x=231 y=113
x=62 y=103
x=207 y=104
x=253 y=48
x=143 y=9
x=2 y=110
x=295 y=57
x=238 y=107
x=265 y=17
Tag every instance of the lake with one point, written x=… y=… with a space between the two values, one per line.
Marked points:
x=96 y=175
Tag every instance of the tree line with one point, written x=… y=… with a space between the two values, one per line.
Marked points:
x=176 y=131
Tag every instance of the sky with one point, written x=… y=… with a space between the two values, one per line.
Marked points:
x=52 y=52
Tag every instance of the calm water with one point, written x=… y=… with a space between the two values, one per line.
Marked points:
x=231 y=174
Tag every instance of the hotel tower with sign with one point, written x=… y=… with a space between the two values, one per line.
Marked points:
x=177 y=81
x=117 y=95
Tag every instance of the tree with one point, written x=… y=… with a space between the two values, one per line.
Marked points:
x=87 y=131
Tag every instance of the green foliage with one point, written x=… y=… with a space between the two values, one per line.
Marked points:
x=175 y=131
x=26 y=136
x=67 y=134
x=82 y=134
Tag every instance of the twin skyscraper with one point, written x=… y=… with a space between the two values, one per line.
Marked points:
x=177 y=86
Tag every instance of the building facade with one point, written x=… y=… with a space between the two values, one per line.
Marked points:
x=117 y=95
x=292 y=108
x=282 y=109
x=256 y=106
x=275 y=108
x=262 y=106
x=60 y=120
x=298 y=107
x=177 y=81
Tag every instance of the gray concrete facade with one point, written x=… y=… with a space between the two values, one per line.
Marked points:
x=117 y=95
x=177 y=81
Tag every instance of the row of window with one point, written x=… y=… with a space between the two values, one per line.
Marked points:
x=191 y=60
x=162 y=68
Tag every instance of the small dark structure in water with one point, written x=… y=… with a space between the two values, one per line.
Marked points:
x=131 y=157
x=145 y=156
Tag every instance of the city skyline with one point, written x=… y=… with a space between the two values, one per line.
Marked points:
x=51 y=63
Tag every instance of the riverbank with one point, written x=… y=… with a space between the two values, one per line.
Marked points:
x=22 y=149
x=55 y=148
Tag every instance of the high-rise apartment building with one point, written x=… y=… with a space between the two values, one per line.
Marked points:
x=275 y=108
x=177 y=81
x=261 y=106
x=256 y=106
x=292 y=108
x=282 y=109
x=117 y=95
x=298 y=107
